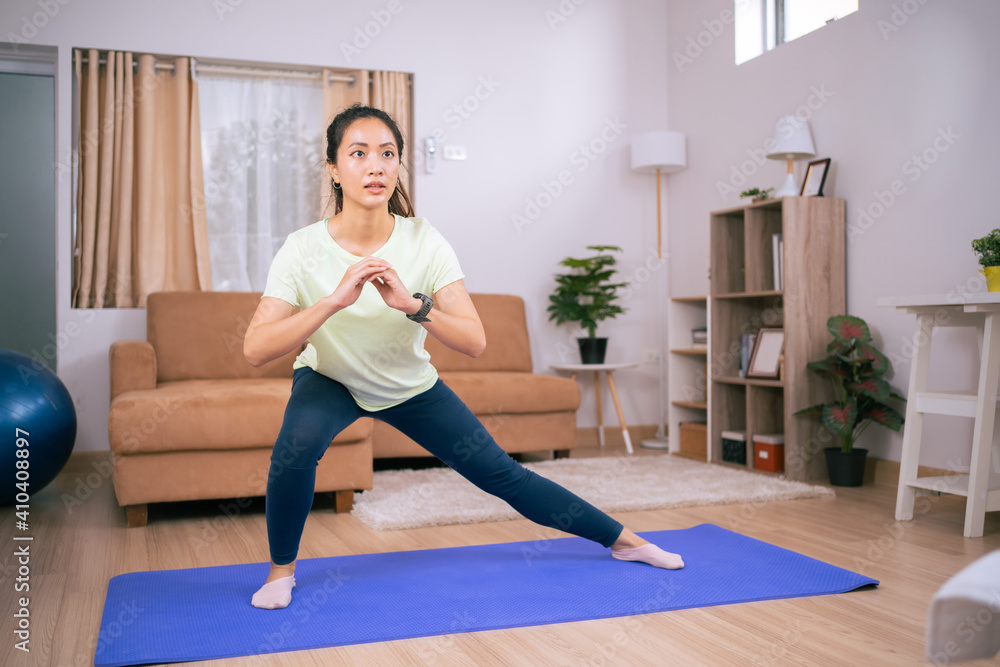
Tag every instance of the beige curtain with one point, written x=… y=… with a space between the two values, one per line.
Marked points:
x=140 y=194
x=391 y=94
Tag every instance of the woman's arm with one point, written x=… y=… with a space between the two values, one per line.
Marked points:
x=274 y=331
x=455 y=321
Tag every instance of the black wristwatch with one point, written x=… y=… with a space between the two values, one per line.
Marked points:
x=421 y=315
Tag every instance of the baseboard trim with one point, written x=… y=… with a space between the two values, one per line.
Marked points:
x=885 y=471
x=587 y=437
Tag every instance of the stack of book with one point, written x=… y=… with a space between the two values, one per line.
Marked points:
x=746 y=349
x=699 y=338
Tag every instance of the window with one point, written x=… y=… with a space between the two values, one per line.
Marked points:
x=263 y=164
x=761 y=25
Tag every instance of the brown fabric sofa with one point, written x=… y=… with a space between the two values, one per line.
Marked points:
x=191 y=419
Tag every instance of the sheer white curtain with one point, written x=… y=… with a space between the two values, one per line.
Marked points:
x=262 y=150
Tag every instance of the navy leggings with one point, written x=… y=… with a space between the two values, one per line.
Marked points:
x=321 y=407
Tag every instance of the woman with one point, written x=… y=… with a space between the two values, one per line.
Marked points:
x=366 y=358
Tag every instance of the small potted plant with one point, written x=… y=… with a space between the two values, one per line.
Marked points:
x=855 y=367
x=757 y=194
x=988 y=248
x=587 y=296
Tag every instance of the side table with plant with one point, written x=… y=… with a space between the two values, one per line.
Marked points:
x=856 y=369
x=588 y=296
x=988 y=248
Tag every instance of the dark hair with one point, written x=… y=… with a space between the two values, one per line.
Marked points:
x=399 y=202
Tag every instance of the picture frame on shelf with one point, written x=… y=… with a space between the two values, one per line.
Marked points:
x=812 y=184
x=765 y=360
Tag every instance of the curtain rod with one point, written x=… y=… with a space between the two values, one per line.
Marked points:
x=205 y=68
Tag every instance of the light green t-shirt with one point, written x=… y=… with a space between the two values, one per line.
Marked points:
x=370 y=348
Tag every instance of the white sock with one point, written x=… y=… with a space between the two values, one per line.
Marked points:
x=275 y=594
x=652 y=554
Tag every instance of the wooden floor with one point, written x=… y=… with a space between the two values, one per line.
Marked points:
x=80 y=542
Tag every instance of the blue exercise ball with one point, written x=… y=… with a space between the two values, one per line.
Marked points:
x=37 y=416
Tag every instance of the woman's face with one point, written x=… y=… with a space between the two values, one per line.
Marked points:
x=367 y=163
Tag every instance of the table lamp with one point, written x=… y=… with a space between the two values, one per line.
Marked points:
x=663 y=152
x=792 y=141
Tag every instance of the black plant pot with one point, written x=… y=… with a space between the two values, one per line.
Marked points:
x=846 y=469
x=592 y=350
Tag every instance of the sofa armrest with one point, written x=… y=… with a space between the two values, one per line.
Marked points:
x=133 y=366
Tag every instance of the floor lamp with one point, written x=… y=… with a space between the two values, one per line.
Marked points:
x=663 y=152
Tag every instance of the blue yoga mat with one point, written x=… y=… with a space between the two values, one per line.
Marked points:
x=205 y=613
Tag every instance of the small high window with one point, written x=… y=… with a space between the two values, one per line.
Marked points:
x=761 y=25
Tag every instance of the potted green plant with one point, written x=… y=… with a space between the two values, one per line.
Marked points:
x=988 y=248
x=587 y=296
x=757 y=194
x=856 y=369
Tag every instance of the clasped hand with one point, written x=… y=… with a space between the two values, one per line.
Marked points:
x=379 y=273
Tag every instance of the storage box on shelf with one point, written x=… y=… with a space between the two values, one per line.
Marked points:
x=693 y=440
x=769 y=452
x=734 y=447
x=744 y=299
x=688 y=366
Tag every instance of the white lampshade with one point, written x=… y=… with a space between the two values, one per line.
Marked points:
x=663 y=150
x=792 y=139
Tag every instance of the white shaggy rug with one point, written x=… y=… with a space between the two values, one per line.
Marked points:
x=440 y=496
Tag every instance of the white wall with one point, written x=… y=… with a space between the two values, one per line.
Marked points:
x=884 y=84
x=558 y=86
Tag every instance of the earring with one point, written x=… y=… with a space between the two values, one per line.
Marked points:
x=336 y=185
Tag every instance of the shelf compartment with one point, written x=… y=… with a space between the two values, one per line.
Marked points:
x=733 y=317
x=761 y=223
x=728 y=252
x=729 y=413
x=693 y=352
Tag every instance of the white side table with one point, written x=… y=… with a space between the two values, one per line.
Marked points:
x=608 y=370
x=982 y=490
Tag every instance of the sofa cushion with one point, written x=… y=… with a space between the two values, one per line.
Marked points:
x=513 y=393
x=199 y=336
x=206 y=414
x=507 y=344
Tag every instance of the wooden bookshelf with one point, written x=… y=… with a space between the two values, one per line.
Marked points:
x=743 y=299
x=687 y=371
